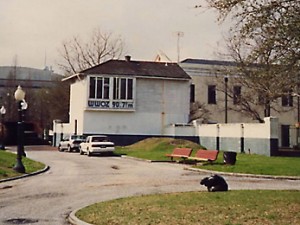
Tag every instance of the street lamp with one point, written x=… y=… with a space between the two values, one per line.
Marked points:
x=2 y=111
x=22 y=105
x=226 y=99
x=298 y=118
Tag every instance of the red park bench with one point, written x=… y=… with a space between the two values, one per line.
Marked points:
x=205 y=155
x=182 y=153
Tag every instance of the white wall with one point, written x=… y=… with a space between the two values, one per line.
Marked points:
x=158 y=103
x=78 y=98
x=259 y=138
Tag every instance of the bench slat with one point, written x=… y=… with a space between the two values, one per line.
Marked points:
x=205 y=155
x=180 y=153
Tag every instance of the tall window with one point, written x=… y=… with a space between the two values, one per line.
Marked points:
x=111 y=93
x=211 y=94
x=261 y=98
x=123 y=88
x=99 y=88
x=237 y=90
x=287 y=100
x=192 y=93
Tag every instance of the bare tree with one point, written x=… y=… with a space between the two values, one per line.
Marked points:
x=198 y=111
x=264 y=43
x=78 y=55
x=263 y=82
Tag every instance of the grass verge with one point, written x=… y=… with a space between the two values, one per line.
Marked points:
x=206 y=208
x=157 y=148
x=8 y=160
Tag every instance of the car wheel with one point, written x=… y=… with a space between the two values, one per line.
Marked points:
x=59 y=148
x=88 y=153
x=69 y=148
x=80 y=151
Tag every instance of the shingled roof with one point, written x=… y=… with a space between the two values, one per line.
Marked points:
x=137 y=69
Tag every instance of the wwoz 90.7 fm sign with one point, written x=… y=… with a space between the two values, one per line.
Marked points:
x=106 y=104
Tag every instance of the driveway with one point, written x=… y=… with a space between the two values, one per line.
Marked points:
x=75 y=181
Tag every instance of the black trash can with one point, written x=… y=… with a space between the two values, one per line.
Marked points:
x=229 y=158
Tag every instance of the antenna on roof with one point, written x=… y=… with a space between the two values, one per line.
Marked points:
x=45 y=58
x=179 y=34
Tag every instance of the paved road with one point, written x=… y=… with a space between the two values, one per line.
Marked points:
x=74 y=181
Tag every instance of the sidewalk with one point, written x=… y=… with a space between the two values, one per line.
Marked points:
x=33 y=148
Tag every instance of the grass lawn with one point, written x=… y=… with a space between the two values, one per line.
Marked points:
x=8 y=161
x=205 y=208
x=258 y=164
x=156 y=148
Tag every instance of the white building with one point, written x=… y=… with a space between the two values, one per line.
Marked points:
x=205 y=87
x=128 y=100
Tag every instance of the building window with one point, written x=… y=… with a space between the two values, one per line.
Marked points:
x=211 y=94
x=111 y=92
x=92 y=88
x=123 y=88
x=237 y=91
x=261 y=98
x=192 y=94
x=99 y=88
x=287 y=100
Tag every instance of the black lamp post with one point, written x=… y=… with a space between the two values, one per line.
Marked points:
x=2 y=111
x=22 y=105
x=226 y=99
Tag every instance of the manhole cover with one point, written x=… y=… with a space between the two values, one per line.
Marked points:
x=21 y=221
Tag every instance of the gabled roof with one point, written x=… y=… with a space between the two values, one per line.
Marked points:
x=137 y=69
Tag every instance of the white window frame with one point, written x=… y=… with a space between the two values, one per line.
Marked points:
x=115 y=97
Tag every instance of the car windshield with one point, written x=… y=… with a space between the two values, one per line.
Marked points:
x=99 y=139
x=77 y=137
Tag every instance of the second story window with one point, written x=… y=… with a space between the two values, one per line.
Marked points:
x=123 y=88
x=192 y=93
x=99 y=88
x=287 y=100
x=211 y=94
x=111 y=93
x=237 y=91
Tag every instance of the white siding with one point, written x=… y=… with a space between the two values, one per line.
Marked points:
x=78 y=97
x=158 y=104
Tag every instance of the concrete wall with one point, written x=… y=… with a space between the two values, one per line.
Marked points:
x=258 y=138
x=60 y=131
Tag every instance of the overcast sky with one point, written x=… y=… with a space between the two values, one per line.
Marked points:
x=33 y=30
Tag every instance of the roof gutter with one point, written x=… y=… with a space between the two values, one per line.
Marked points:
x=76 y=75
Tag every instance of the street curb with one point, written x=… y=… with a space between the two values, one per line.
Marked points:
x=219 y=172
x=244 y=174
x=46 y=168
x=74 y=220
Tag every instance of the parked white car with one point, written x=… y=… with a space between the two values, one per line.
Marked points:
x=71 y=143
x=96 y=144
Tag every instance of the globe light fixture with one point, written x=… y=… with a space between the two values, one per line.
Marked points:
x=22 y=105
x=2 y=112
